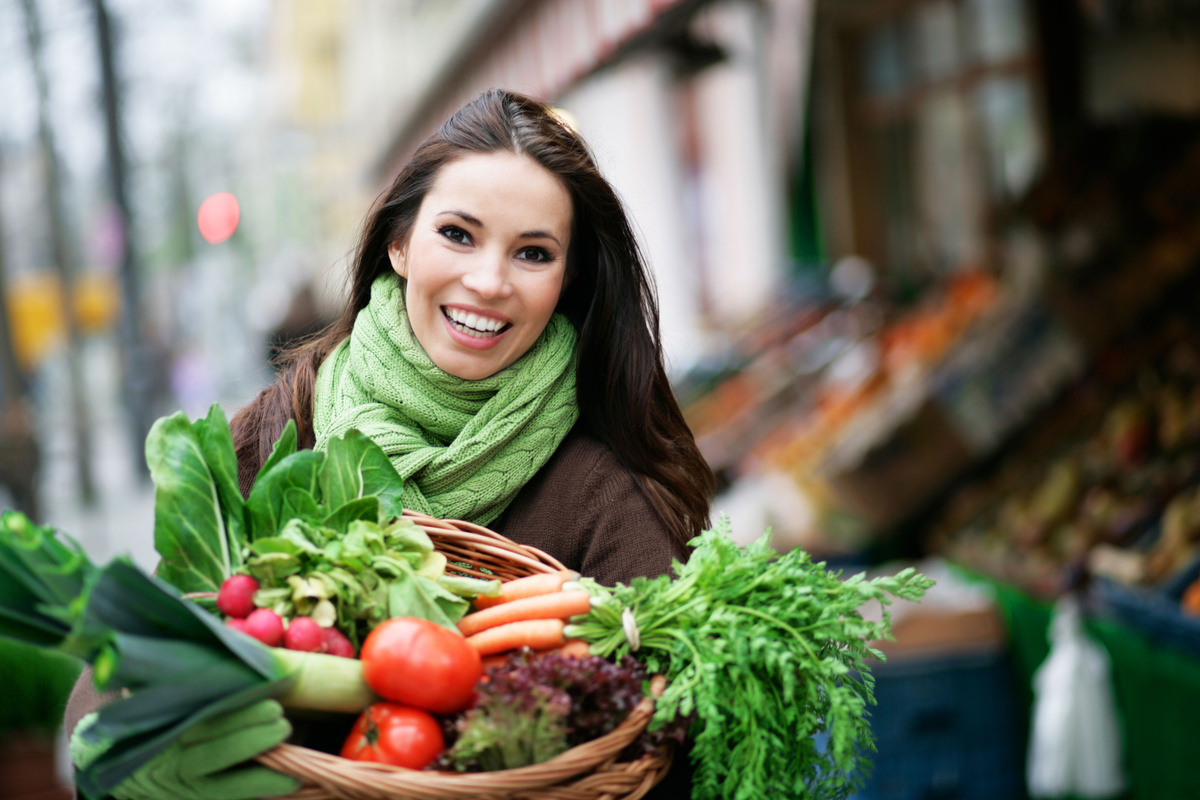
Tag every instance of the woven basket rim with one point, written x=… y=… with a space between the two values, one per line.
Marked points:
x=567 y=764
x=330 y=776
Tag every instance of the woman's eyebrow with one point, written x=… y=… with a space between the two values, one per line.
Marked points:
x=465 y=217
x=541 y=235
x=472 y=220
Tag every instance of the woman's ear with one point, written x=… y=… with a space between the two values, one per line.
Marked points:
x=396 y=256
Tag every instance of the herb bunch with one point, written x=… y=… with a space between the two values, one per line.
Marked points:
x=767 y=651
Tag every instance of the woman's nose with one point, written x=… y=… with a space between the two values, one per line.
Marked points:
x=488 y=276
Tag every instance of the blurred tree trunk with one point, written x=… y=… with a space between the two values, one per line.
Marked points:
x=12 y=377
x=139 y=379
x=63 y=261
x=19 y=451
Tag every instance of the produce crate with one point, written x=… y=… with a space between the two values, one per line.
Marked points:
x=946 y=728
x=1153 y=611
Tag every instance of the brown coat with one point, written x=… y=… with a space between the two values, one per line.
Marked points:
x=592 y=514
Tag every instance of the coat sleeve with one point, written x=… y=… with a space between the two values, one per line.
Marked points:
x=591 y=513
x=623 y=535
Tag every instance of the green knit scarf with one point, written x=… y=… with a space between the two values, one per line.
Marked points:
x=464 y=448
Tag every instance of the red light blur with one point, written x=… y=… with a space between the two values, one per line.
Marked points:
x=218 y=217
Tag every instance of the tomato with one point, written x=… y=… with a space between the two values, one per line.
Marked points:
x=419 y=663
x=389 y=733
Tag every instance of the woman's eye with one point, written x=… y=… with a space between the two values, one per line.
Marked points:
x=534 y=254
x=454 y=234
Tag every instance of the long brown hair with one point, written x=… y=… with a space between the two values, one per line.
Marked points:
x=625 y=398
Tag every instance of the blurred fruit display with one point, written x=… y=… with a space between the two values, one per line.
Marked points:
x=1110 y=490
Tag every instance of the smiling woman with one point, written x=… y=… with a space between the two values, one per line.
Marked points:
x=500 y=343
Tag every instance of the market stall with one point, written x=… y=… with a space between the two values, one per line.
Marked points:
x=1016 y=393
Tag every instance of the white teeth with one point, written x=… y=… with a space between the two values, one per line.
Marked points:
x=473 y=324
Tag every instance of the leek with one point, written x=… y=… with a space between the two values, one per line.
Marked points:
x=176 y=663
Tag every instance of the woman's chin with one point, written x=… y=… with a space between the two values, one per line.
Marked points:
x=470 y=366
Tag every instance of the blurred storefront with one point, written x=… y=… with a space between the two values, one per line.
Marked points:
x=1006 y=371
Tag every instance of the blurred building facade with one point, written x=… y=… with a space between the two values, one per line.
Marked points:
x=692 y=108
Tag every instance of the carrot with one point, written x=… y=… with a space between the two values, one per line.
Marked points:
x=497 y=660
x=554 y=605
x=528 y=586
x=572 y=648
x=538 y=634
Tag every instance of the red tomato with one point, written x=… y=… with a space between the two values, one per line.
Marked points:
x=419 y=663
x=389 y=733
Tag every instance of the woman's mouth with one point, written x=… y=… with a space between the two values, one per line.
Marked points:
x=474 y=325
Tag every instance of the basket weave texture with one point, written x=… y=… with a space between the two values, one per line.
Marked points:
x=589 y=771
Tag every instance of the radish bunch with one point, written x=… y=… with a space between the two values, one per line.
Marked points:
x=235 y=600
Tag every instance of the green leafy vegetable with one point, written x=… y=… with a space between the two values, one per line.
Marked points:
x=361 y=576
x=180 y=663
x=534 y=707
x=287 y=491
x=356 y=469
x=326 y=519
x=199 y=522
x=43 y=575
x=767 y=651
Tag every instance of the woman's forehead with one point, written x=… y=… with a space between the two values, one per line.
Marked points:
x=501 y=188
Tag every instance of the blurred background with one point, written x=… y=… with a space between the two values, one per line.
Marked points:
x=927 y=271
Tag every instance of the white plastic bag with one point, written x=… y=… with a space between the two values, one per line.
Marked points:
x=1075 y=741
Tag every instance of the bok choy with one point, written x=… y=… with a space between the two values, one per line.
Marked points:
x=321 y=532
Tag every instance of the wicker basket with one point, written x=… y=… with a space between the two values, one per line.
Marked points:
x=589 y=771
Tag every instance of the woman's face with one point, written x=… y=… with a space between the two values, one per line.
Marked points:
x=485 y=261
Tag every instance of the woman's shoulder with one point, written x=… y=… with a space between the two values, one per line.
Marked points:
x=591 y=512
x=582 y=458
x=582 y=469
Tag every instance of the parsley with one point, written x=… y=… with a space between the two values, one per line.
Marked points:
x=767 y=651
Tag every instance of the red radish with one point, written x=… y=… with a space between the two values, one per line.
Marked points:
x=236 y=597
x=266 y=626
x=336 y=643
x=303 y=633
x=236 y=624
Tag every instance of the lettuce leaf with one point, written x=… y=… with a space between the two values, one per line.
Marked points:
x=199 y=526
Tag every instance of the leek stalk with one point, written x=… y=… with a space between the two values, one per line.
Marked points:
x=320 y=682
x=178 y=664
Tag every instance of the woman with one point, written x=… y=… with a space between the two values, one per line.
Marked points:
x=500 y=342
x=575 y=447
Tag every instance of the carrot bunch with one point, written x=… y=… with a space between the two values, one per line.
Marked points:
x=528 y=612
